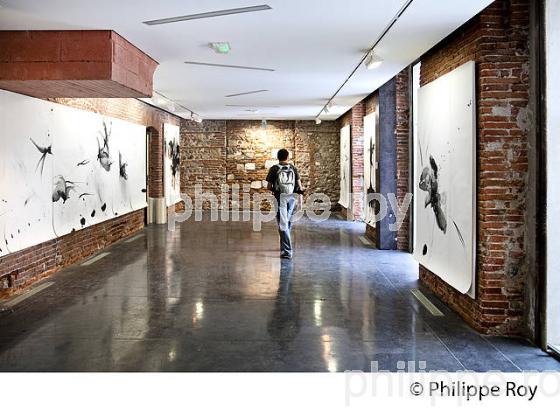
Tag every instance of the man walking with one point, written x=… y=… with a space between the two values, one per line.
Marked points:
x=283 y=180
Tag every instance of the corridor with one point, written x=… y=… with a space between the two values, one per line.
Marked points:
x=214 y=296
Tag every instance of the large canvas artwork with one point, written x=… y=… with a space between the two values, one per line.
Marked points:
x=345 y=167
x=370 y=165
x=64 y=169
x=26 y=170
x=444 y=188
x=171 y=162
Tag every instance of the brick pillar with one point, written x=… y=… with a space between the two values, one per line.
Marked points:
x=402 y=134
x=155 y=164
x=357 y=146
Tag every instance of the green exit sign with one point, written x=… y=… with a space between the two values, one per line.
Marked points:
x=221 y=48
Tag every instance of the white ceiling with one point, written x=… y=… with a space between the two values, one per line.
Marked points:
x=312 y=44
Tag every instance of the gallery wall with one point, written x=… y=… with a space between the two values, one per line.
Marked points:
x=397 y=138
x=497 y=40
x=24 y=266
x=240 y=152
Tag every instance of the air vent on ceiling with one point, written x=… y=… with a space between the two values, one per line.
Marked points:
x=242 y=67
x=208 y=15
x=246 y=93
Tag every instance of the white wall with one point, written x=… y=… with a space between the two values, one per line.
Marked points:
x=553 y=169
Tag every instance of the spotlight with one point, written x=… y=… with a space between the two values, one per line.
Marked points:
x=264 y=124
x=158 y=99
x=317 y=121
x=196 y=118
x=373 y=61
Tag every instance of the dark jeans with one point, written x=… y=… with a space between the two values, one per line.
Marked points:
x=286 y=207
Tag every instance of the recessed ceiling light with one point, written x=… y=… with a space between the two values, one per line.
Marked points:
x=208 y=15
x=246 y=93
x=242 y=67
x=221 y=47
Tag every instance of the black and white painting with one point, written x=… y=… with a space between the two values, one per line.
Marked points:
x=61 y=170
x=83 y=172
x=370 y=165
x=129 y=186
x=444 y=188
x=26 y=168
x=171 y=163
x=345 y=170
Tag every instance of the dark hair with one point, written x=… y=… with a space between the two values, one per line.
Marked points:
x=283 y=154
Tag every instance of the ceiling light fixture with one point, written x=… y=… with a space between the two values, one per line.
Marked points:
x=161 y=101
x=366 y=55
x=196 y=118
x=210 y=14
x=246 y=93
x=241 y=67
x=220 y=47
x=373 y=61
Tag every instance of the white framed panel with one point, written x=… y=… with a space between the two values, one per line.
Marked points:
x=25 y=172
x=345 y=167
x=444 y=185
x=171 y=163
x=370 y=166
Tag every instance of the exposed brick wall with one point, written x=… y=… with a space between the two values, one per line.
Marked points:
x=357 y=148
x=26 y=266
x=155 y=164
x=22 y=268
x=402 y=135
x=355 y=117
x=497 y=40
x=317 y=157
x=218 y=152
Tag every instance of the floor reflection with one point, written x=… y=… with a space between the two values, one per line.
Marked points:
x=216 y=297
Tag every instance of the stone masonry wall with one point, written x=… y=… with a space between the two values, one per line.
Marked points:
x=218 y=152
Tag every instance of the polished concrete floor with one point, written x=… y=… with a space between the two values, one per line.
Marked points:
x=216 y=297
